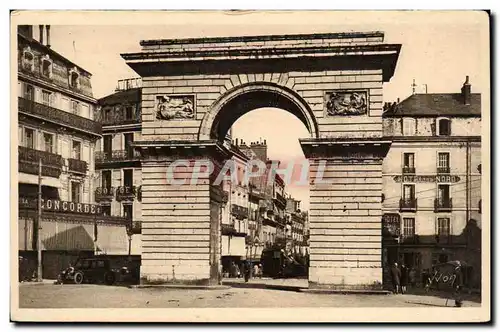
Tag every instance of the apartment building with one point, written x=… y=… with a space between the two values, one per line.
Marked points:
x=57 y=133
x=432 y=180
x=118 y=167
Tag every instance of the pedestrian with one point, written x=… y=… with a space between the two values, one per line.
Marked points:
x=246 y=270
x=396 y=277
x=256 y=270
x=458 y=285
x=404 y=278
x=413 y=277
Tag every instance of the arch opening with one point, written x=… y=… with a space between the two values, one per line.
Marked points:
x=244 y=99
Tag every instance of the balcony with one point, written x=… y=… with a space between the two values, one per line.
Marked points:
x=239 y=212
x=29 y=159
x=443 y=238
x=408 y=204
x=443 y=170
x=408 y=170
x=104 y=194
x=280 y=200
x=126 y=193
x=116 y=156
x=443 y=205
x=59 y=117
x=77 y=166
x=409 y=239
x=120 y=119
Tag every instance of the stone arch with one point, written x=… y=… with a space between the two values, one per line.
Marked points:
x=249 y=96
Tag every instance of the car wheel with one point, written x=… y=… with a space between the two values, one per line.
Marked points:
x=109 y=278
x=78 y=278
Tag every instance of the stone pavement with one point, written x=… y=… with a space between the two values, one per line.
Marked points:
x=101 y=296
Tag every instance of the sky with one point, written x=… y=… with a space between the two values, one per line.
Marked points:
x=437 y=50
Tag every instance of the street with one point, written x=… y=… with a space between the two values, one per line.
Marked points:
x=100 y=296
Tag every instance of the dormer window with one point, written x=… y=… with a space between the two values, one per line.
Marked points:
x=409 y=126
x=444 y=127
x=46 y=66
x=28 y=59
x=74 y=78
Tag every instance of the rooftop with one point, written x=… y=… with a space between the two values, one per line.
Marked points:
x=436 y=104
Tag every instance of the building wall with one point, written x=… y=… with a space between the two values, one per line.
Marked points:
x=426 y=126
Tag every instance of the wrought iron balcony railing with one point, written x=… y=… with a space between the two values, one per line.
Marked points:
x=443 y=170
x=60 y=117
x=406 y=204
x=29 y=159
x=120 y=119
x=77 y=166
x=116 y=155
x=443 y=205
x=408 y=170
x=239 y=212
x=443 y=238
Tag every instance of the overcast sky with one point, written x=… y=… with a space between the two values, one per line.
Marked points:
x=437 y=50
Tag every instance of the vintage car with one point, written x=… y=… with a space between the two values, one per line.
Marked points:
x=96 y=270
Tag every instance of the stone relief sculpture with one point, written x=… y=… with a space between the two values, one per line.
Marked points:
x=175 y=107
x=346 y=103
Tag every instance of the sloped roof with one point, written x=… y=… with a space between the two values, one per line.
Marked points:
x=436 y=104
x=130 y=96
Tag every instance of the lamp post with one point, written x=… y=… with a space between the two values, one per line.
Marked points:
x=39 y=224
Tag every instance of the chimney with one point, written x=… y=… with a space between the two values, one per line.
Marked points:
x=47 y=27
x=41 y=34
x=466 y=91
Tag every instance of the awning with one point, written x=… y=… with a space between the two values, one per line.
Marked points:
x=33 y=179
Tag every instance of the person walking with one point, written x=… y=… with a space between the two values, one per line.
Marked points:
x=246 y=270
x=396 y=277
x=404 y=278
x=458 y=285
x=413 y=277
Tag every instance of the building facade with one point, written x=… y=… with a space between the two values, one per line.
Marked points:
x=432 y=181
x=57 y=133
x=118 y=177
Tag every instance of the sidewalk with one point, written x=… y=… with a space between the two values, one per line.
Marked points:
x=43 y=282
x=268 y=283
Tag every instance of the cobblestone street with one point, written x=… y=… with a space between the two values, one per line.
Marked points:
x=99 y=296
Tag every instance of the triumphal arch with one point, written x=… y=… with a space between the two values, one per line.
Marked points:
x=195 y=89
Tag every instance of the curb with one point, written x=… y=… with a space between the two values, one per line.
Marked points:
x=344 y=291
x=262 y=286
x=172 y=286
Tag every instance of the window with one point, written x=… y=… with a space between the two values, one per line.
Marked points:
x=106 y=210
x=76 y=150
x=129 y=112
x=46 y=96
x=444 y=127
x=408 y=192
x=48 y=142
x=75 y=191
x=443 y=194
x=408 y=227
x=408 y=127
x=106 y=179
x=128 y=139
x=443 y=228
x=47 y=67
x=409 y=160
x=29 y=92
x=443 y=161
x=107 y=144
x=74 y=81
x=75 y=107
x=29 y=138
x=127 y=211
x=28 y=59
x=128 y=177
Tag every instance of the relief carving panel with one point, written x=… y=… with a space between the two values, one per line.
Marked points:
x=170 y=107
x=346 y=103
